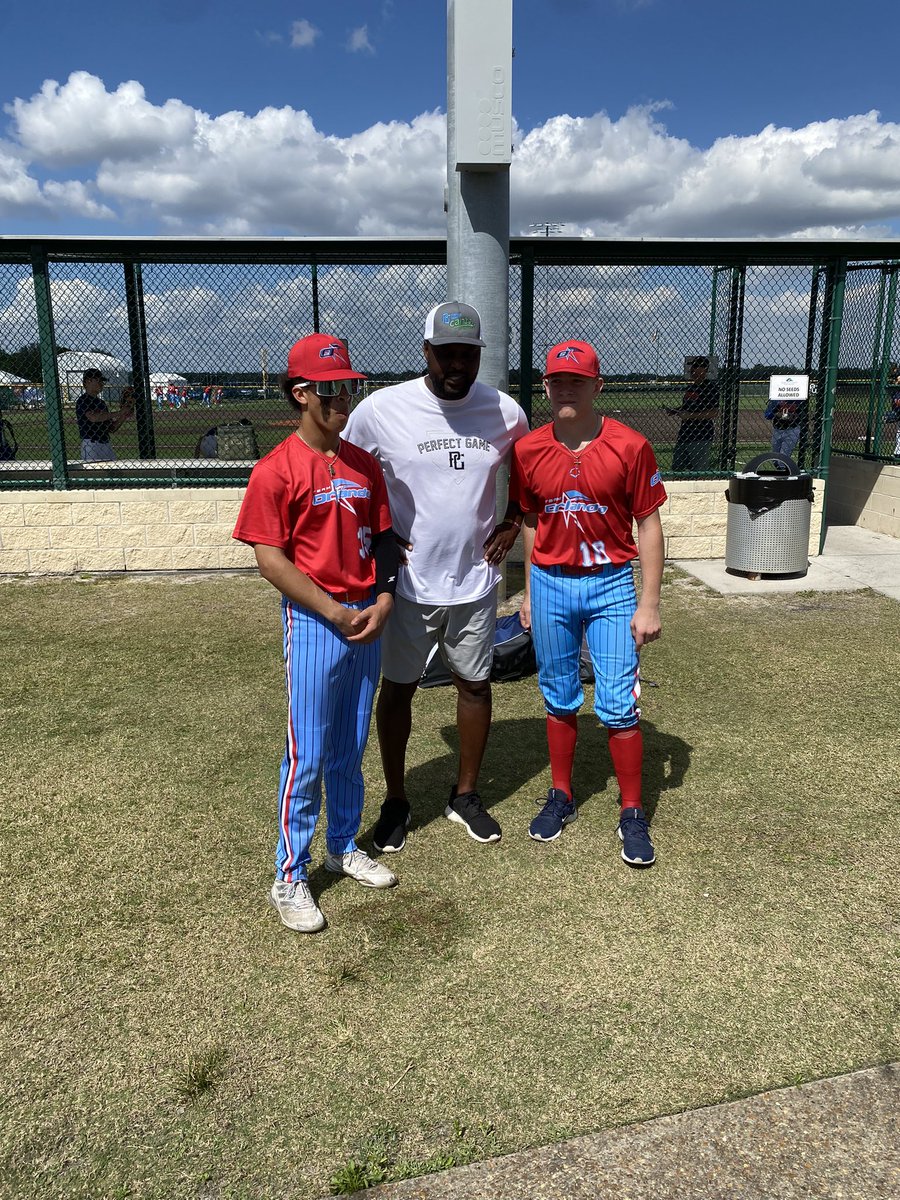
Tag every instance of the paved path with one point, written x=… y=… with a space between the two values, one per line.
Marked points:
x=853 y=558
x=836 y=1139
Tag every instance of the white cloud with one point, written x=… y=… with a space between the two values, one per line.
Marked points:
x=117 y=157
x=19 y=192
x=359 y=40
x=81 y=122
x=303 y=34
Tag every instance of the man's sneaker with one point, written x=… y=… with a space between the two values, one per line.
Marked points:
x=558 y=810
x=389 y=834
x=637 y=849
x=358 y=865
x=294 y=904
x=468 y=810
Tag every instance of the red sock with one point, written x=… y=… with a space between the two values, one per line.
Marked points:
x=626 y=747
x=562 y=734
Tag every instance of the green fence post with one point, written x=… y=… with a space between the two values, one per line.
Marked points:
x=876 y=355
x=314 y=281
x=831 y=338
x=526 y=332
x=40 y=275
x=803 y=443
x=713 y=312
x=885 y=351
x=140 y=363
x=732 y=375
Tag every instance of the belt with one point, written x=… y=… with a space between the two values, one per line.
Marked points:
x=353 y=596
x=578 y=571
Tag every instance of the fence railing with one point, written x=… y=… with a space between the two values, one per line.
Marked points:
x=199 y=329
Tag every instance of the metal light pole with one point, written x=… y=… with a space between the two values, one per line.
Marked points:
x=479 y=153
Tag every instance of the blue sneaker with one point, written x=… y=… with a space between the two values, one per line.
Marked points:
x=558 y=811
x=637 y=849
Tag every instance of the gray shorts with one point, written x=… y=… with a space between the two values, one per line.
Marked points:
x=465 y=633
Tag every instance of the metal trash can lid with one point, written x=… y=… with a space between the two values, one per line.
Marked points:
x=767 y=489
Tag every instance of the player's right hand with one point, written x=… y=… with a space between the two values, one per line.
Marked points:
x=525 y=613
x=368 y=624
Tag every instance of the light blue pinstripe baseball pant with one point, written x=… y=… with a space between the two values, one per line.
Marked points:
x=602 y=605
x=330 y=688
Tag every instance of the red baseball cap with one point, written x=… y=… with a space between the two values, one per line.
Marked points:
x=575 y=358
x=320 y=356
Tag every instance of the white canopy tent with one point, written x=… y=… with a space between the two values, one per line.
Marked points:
x=7 y=380
x=71 y=365
x=164 y=378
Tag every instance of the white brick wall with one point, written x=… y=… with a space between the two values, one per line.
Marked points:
x=46 y=533
x=132 y=529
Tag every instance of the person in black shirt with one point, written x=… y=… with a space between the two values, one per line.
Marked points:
x=698 y=410
x=95 y=421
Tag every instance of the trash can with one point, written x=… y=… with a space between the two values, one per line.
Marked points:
x=768 y=519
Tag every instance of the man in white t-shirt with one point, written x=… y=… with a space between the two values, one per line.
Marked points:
x=441 y=440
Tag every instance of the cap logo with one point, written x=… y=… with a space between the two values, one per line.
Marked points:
x=457 y=320
x=335 y=350
x=570 y=353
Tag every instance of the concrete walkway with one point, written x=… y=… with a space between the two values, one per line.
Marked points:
x=853 y=558
x=837 y=1139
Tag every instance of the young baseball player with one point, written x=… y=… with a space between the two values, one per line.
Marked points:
x=582 y=481
x=316 y=514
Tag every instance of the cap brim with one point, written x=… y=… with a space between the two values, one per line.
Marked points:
x=325 y=375
x=455 y=341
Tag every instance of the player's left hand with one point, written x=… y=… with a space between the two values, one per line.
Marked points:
x=501 y=541
x=369 y=623
x=645 y=625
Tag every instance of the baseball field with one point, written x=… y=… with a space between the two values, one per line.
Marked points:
x=164 y=1036
x=642 y=406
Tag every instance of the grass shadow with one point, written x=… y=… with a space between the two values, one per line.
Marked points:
x=517 y=755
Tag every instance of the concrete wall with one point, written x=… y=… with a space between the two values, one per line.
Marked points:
x=46 y=533
x=864 y=493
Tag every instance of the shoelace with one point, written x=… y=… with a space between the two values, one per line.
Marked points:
x=557 y=807
x=472 y=802
x=360 y=861
x=301 y=893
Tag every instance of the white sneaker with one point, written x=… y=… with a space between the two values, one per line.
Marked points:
x=358 y=865
x=294 y=904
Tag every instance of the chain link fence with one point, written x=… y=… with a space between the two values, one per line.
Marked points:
x=867 y=393
x=190 y=339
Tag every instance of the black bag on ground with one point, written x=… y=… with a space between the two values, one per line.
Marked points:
x=513 y=651
x=513 y=656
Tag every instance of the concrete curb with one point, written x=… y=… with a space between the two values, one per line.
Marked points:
x=835 y=1139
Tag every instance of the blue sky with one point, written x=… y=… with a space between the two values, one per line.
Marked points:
x=634 y=117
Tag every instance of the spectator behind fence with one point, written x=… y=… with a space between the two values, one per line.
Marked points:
x=698 y=410
x=441 y=440
x=95 y=421
x=787 y=420
x=893 y=414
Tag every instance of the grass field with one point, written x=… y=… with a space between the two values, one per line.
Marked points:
x=163 y=1036
x=177 y=430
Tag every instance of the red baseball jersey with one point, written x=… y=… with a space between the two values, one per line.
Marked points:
x=586 y=502
x=323 y=524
